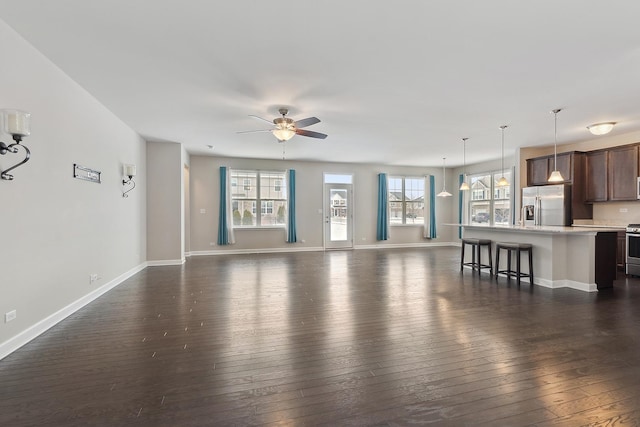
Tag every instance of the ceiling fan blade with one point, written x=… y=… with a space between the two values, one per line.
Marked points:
x=254 y=131
x=306 y=122
x=260 y=118
x=310 y=133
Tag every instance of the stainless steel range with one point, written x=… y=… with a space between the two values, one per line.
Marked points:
x=633 y=249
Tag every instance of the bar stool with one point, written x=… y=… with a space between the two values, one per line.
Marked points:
x=476 y=250
x=518 y=248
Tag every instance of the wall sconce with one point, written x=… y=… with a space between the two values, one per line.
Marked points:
x=15 y=123
x=129 y=171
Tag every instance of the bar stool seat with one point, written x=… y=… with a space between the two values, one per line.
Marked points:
x=518 y=248
x=476 y=251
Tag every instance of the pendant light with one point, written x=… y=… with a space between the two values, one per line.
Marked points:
x=464 y=186
x=444 y=192
x=555 y=176
x=502 y=182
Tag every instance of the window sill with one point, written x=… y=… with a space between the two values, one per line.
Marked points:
x=268 y=227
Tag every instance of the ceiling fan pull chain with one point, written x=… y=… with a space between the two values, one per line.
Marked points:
x=283 y=147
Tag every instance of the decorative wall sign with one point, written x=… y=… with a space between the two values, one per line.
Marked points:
x=86 y=174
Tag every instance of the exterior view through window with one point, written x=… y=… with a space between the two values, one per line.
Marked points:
x=258 y=198
x=489 y=203
x=406 y=200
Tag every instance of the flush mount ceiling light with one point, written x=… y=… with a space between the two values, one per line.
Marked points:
x=555 y=176
x=444 y=192
x=464 y=186
x=601 y=128
x=502 y=182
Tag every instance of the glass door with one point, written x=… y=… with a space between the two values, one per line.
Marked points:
x=338 y=213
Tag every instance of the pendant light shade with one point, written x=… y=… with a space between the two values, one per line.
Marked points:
x=555 y=176
x=502 y=182
x=444 y=192
x=464 y=186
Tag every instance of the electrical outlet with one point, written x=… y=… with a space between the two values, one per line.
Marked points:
x=93 y=278
x=9 y=316
x=624 y=210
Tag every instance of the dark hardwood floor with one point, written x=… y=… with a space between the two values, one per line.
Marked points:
x=367 y=337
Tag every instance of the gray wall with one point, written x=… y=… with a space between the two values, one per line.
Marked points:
x=204 y=173
x=165 y=226
x=56 y=230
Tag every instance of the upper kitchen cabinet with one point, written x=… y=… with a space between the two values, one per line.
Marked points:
x=623 y=173
x=596 y=174
x=612 y=174
x=539 y=168
x=572 y=167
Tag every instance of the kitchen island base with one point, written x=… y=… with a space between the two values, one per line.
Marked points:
x=565 y=257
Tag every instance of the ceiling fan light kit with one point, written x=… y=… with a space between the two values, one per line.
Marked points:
x=286 y=128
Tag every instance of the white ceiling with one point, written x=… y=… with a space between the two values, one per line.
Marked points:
x=395 y=82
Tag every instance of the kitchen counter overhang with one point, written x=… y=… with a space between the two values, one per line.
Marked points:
x=582 y=258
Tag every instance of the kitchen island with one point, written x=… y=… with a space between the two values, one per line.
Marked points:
x=582 y=258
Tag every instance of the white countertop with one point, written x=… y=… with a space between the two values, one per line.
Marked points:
x=541 y=228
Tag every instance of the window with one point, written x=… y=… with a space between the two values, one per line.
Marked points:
x=489 y=203
x=406 y=200
x=261 y=189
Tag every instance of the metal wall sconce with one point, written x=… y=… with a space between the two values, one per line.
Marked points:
x=129 y=171
x=16 y=124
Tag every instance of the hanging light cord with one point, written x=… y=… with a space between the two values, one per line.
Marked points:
x=503 y=127
x=555 y=139
x=464 y=158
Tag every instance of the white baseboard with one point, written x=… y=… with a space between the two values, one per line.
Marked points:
x=256 y=251
x=406 y=245
x=163 y=262
x=14 y=343
x=565 y=283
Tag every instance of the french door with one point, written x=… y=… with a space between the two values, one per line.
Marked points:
x=338 y=215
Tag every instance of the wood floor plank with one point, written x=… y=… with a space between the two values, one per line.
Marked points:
x=369 y=337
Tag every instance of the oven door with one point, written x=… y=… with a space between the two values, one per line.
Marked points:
x=633 y=249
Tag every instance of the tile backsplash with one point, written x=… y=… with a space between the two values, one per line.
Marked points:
x=616 y=213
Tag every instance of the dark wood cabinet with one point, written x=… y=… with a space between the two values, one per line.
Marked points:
x=623 y=173
x=597 y=188
x=621 y=253
x=537 y=171
x=539 y=168
x=572 y=167
x=564 y=165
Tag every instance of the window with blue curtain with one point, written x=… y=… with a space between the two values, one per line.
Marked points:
x=225 y=231
x=382 y=229
x=460 y=204
x=432 y=207
x=291 y=216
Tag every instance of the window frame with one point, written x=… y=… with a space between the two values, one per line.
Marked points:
x=252 y=184
x=490 y=197
x=404 y=202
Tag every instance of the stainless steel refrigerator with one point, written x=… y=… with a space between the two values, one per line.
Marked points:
x=546 y=205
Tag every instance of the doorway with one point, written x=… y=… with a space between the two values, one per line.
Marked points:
x=338 y=211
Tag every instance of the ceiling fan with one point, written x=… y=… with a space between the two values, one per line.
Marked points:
x=285 y=127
